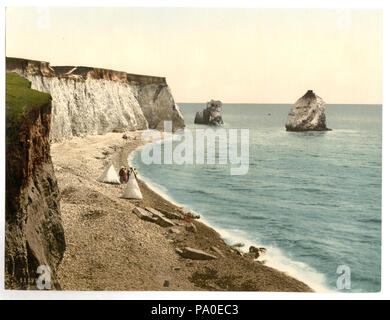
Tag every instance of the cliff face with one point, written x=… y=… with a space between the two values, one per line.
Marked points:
x=90 y=106
x=95 y=101
x=307 y=114
x=34 y=235
x=157 y=104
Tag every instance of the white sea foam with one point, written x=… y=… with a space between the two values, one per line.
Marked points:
x=276 y=259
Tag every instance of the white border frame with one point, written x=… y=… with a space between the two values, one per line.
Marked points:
x=195 y=295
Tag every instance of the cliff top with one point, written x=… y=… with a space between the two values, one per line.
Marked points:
x=44 y=68
x=19 y=95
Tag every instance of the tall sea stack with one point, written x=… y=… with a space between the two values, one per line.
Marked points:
x=307 y=114
x=34 y=235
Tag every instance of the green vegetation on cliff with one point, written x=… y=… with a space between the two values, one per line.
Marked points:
x=19 y=96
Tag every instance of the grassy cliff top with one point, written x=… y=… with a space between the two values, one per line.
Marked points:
x=19 y=96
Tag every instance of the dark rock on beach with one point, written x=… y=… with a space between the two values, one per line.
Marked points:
x=164 y=222
x=195 y=254
x=256 y=252
x=172 y=215
x=189 y=214
x=144 y=214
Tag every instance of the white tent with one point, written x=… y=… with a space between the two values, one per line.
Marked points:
x=132 y=190
x=109 y=175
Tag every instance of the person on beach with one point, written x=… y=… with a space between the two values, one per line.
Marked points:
x=122 y=175
x=129 y=170
x=125 y=176
x=133 y=170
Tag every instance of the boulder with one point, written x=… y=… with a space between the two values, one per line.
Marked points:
x=256 y=252
x=172 y=215
x=195 y=254
x=307 y=114
x=159 y=218
x=144 y=214
x=154 y=212
x=164 y=222
x=189 y=214
x=211 y=115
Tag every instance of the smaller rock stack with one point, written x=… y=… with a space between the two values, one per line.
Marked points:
x=211 y=115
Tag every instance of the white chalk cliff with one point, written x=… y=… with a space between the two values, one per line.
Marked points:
x=96 y=101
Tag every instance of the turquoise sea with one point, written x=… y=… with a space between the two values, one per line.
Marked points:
x=313 y=199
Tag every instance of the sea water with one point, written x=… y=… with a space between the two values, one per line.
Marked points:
x=313 y=199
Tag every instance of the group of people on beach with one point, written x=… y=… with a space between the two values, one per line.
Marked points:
x=125 y=173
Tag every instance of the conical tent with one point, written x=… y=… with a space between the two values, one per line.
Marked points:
x=132 y=190
x=109 y=175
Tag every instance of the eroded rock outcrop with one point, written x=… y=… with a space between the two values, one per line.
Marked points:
x=34 y=235
x=212 y=115
x=157 y=104
x=96 y=101
x=307 y=114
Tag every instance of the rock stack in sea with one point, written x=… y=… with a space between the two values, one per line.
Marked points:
x=307 y=114
x=211 y=115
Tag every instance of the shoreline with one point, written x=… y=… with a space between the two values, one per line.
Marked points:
x=276 y=260
x=104 y=238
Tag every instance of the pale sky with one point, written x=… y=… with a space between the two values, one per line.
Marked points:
x=234 y=55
